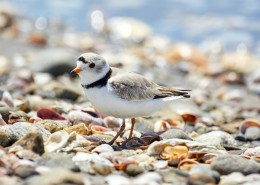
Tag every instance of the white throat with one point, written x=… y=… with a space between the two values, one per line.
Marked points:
x=88 y=77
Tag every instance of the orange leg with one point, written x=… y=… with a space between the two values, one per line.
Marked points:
x=132 y=128
x=122 y=128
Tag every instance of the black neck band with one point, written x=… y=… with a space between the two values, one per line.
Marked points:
x=99 y=83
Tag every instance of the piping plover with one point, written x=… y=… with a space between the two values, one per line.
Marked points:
x=122 y=94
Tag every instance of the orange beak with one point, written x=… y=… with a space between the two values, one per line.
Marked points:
x=75 y=71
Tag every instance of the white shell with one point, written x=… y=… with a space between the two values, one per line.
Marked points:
x=56 y=141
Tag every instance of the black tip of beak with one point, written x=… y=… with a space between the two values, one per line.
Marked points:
x=73 y=73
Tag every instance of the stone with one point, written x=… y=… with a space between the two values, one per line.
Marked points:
x=4 y=141
x=226 y=164
x=20 y=129
x=32 y=141
x=57 y=176
x=52 y=125
x=174 y=133
x=58 y=160
x=24 y=171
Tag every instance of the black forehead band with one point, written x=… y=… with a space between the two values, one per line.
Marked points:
x=82 y=59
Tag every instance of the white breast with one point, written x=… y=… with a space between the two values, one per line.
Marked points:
x=110 y=104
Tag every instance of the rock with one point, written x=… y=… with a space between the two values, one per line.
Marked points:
x=58 y=160
x=219 y=139
x=174 y=133
x=4 y=141
x=66 y=93
x=20 y=129
x=232 y=178
x=200 y=179
x=25 y=171
x=32 y=141
x=57 y=176
x=134 y=170
x=204 y=171
x=53 y=126
x=5 y=111
x=226 y=164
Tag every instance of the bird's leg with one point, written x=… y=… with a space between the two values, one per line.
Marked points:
x=132 y=128
x=122 y=128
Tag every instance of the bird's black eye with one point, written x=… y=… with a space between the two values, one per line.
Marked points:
x=91 y=65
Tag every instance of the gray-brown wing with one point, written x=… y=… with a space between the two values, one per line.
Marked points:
x=134 y=87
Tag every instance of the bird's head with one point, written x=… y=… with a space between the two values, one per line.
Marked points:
x=90 y=67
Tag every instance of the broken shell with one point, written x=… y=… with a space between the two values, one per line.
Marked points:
x=83 y=117
x=161 y=126
x=248 y=123
x=18 y=116
x=121 y=163
x=187 y=164
x=150 y=137
x=189 y=118
x=79 y=128
x=174 y=152
x=160 y=164
x=97 y=129
x=56 y=141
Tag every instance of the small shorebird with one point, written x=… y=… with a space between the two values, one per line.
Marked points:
x=122 y=94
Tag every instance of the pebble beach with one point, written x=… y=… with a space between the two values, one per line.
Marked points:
x=50 y=134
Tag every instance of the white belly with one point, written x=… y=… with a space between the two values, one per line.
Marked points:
x=112 y=105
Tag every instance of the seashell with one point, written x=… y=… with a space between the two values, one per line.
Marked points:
x=161 y=126
x=18 y=116
x=83 y=117
x=189 y=118
x=248 y=123
x=49 y=114
x=207 y=158
x=253 y=151
x=112 y=122
x=97 y=129
x=95 y=158
x=134 y=170
x=135 y=134
x=79 y=128
x=174 y=152
x=160 y=164
x=103 y=148
x=8 y=99
x=78 y=143
x=175 y=133
x=157 y=147
x=150 y=137
x=27 y=154
x=56 y=141
x=187 y=164
x=120 y=163
x=37 y=39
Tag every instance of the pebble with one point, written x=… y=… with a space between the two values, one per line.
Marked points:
x=20 y=129
x=4 y=141
x=252 y=133
x=174 y=133
x=52 y=125
x=32 y=141
x=226 y=164
x=57 y=176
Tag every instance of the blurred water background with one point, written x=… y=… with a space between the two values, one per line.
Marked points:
x=233 y=23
